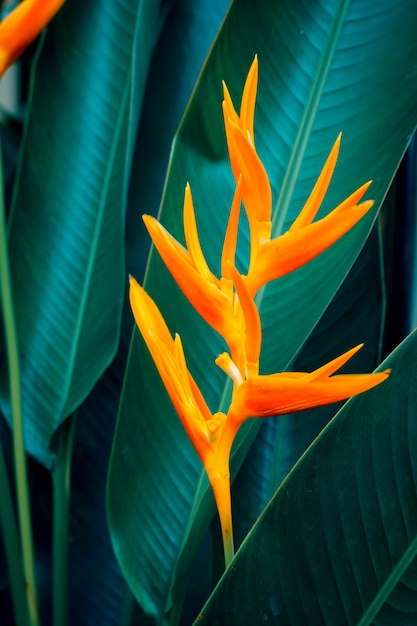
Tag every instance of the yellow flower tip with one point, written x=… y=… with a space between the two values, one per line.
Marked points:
x=20 y=27
x=192 y=240
x=147 y=219
x=230 y=239
x=147 y=315
x=229 y=367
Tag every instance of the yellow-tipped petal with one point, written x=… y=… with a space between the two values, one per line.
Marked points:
x=20 y=27
x=229 y=367
x=247 y=108
x=315 y=199
x=230 y=239
x=227 y=105
x=253 y=330
x=191 y=237
x=147 y=315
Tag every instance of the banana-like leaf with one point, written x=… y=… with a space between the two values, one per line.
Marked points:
x=338 y=542
x=322 y=70
x=68 y=211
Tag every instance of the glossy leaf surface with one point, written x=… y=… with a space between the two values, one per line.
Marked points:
x=68 y=212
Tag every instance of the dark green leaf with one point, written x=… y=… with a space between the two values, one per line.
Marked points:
x=338 y=542
x=68 y=213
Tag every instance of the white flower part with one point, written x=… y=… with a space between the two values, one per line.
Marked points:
x=229 y=367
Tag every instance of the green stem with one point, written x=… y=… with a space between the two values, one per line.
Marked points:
x=221 y=489
x=22 y=489
x=11 y=547
x=61 y=481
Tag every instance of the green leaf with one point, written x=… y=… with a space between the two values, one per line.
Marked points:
x=317 y=77
x=68 y=213
x=338 y=542
x=184 y=41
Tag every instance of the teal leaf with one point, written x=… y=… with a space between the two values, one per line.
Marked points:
x=338 y=542
x=67 y=220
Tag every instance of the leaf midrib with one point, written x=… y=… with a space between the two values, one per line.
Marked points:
x=93 y=248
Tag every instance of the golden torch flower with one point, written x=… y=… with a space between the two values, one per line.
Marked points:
x=227 y=304
x=22 y=25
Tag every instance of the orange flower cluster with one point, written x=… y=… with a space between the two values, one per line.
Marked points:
x=227 y=304
x=22 y=26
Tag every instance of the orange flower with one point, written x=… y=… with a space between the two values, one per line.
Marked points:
x=270 y=259
x=213 y=434
x=227 y=304
x=20 y=27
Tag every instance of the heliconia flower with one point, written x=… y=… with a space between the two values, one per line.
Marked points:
x=22 y=25
x=228 y=304
x=254 y=396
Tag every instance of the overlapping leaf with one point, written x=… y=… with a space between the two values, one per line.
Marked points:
x=317 y=77
x=338 y=542
x=68 y=212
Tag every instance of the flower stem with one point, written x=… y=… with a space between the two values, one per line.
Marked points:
x=12 y=549
x=221 y=489
x=61 y=481
x=22 y=490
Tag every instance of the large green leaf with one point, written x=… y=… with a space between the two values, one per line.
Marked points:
x=338 y=542
x=95 y=578
x=317 y=77
x=68 y=211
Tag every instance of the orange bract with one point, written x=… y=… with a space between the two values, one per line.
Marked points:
x=20 y=27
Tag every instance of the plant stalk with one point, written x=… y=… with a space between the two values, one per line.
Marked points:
x=12 y=549
x=12 y=349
